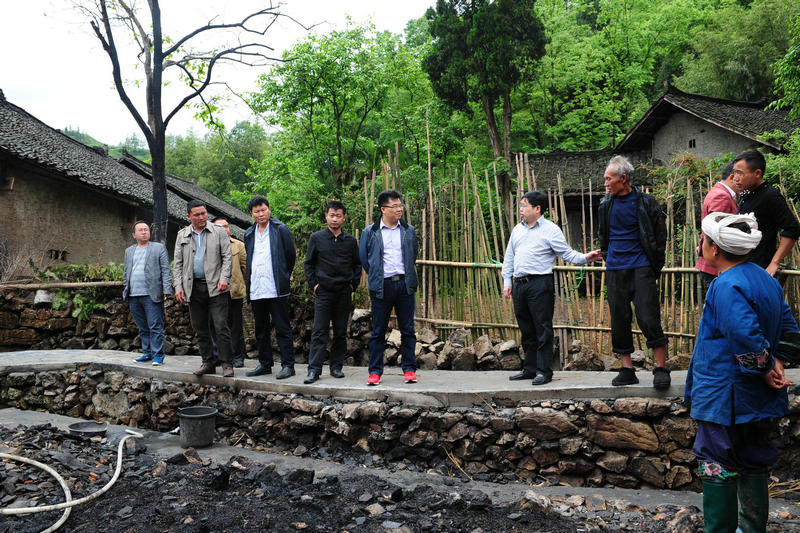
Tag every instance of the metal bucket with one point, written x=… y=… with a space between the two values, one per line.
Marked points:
x=197 y=426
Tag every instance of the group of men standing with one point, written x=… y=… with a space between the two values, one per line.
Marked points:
x=632 y=235
x=214 y=273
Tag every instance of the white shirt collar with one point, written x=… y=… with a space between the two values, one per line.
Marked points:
x=382 y=225
x=733 y=193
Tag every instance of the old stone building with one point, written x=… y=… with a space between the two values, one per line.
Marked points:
x=65 y=202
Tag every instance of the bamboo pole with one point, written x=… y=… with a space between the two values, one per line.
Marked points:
x=60 y=285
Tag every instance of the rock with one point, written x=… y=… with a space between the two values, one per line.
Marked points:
x=43 y=297
x=570 y=445
x=109 y=344
x=365 y=497
x=613 y=461
x=372 y=411
x=394 y=338
x=390 y=525
x=436 y=347
x=361 y=315
x=458 y=338
x=678 y=476
x=301 y=476
x=440 y=421
x=510 y=360
x=677 y=429
x=544 y=424
x=375 y=509
x=639 y=358
x=537 y=502
x=249 y=406
x=427 y=361
x=427 y=336
x=642 y=406
x=443 y=359
x=482 y=346
x=459 y=431
x=648 y=469
x=463 y=359
x=621 y=433
x=306 y=406
x=505 y=346
x=599 y=406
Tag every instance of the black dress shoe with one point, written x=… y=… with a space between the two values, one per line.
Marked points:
x=337 y=372
x=522 y=375
x=238 y=363
x=286 y=372
x=310 y=378
x=541 y=379
x=261 y=369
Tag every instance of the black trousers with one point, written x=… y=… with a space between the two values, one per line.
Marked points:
x=534 y=301
x=637 y=286
x=329 y=306
x=202 y=309
x=238 y=352
x=270 y=312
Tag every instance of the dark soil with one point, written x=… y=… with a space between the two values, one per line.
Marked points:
x=184 y=494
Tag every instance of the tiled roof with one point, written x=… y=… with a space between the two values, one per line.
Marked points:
x=748 y=119
x=190 y=191
x=25 y=137
x=577 y=168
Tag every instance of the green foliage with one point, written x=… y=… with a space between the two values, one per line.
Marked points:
x=84 y=301
x=132 y=144
x=219 y=161
x=328 y=94
x=733 y=57
x=787 y=74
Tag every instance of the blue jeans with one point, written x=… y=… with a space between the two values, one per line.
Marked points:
x=149 y=318
x=395 y=296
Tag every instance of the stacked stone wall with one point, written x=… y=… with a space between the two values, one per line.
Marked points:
x=624 y=442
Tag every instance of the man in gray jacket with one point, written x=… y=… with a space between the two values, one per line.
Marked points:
x=146 y=283
x=202 y=274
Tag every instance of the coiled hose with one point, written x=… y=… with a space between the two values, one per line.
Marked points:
x=69 y=503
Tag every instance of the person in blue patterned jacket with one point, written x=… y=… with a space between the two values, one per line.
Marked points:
x=736 y=383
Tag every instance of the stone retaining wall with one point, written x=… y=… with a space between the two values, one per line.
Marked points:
x=627 y=442
x=28 y=322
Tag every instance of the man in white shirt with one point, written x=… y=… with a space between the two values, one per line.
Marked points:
x=528 y=277
x=270 y=261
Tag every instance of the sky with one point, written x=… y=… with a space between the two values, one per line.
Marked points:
x=53 y=66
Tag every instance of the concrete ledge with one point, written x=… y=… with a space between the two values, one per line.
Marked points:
x=436 y=388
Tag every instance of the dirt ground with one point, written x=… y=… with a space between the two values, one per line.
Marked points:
x=184 y=494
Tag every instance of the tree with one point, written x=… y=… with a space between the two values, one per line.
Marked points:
x=157 y=52
x=787 y=75
x=476 y=55
x=328 y=91
x=733 y=58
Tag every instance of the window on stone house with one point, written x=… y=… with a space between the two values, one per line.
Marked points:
x=692 y=143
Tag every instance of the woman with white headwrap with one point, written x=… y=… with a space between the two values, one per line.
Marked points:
x=735 y=384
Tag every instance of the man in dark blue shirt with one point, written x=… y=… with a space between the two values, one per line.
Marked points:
x=633 y=239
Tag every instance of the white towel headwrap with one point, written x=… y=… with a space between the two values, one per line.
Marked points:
x=732 y=240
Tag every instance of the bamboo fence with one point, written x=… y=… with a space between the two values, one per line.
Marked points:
x=463 y=225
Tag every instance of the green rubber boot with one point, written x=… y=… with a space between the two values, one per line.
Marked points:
x=719 y=505
x=753 y=502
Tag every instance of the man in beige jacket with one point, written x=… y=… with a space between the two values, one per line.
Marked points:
x=238 y=267
x=201 y=276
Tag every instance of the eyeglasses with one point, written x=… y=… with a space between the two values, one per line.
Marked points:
x=393 y=206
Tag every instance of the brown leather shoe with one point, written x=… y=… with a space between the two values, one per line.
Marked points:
x=206 y=368
x=227 y=370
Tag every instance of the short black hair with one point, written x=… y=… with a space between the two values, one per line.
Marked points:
x=385 y=196
x=257 y=200
x=535 y=198
x=133 y=228
x=754 y=160
x=191 y=204
x=727 y=170
x=336 y=205
x=217 y=219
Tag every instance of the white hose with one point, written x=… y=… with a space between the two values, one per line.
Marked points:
x=69 y=503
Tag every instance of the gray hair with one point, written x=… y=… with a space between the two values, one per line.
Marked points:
x=621 y=165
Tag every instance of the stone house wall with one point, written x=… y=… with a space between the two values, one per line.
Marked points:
x=674 y=139
x=624 y=442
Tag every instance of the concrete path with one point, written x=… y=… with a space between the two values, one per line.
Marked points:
x=435 y=388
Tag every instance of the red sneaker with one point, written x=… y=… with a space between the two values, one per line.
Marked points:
x=374 y=379
x=411 y=376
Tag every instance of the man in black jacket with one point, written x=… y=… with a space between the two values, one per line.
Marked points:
x=633 y=238
x=333 y=272
x=770 y=210
x=270 y=261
